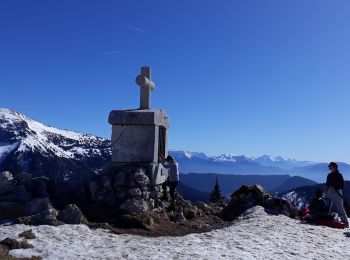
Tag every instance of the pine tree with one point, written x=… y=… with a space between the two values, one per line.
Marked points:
x=215 y=195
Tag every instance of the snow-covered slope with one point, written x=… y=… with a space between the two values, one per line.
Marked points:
x=278 y=161
x=301 y=196
x=27 y=145
x=255 y=235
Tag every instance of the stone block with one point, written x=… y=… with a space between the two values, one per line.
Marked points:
x=132 y=143
x=156 y=117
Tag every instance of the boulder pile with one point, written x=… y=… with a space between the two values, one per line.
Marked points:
x=249 y=196
x=27 y=200
x=123 y=199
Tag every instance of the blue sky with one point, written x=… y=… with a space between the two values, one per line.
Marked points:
x=244 y=77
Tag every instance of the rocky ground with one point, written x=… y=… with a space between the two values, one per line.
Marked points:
x=176 y=219
x=31 y=202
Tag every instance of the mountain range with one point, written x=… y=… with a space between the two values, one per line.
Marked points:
x=244 y=165
x=30 y=146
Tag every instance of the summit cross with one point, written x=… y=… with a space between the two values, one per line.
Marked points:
x=146 y=86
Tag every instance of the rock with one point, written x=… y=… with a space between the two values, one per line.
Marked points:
x=242 y=199
x=134 y=206
x=135 y=193
x=140 y=177
x=120 y=179
x=40 y=185
x=120 y=194
x=37 y=205
x=6 y=178
x=11 y=210
x=142 y=221
x=184 y=203
x=24 y=220
x=7 y=183
x=71 y=214
x=200 y=204
x=249 y=196
x=190 y=213
x=27 y=234
x=179 y=216
x=17 y=194
x=11 y=244
x=93 y=189
x=25 y=179
x=280 y=206
x=45 y=217
x=106 y=183
x=163 y=204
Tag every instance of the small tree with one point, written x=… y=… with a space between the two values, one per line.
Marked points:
x=215 y=195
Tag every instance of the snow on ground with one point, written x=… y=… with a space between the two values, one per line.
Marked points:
x=255 y=235
x=296 y=199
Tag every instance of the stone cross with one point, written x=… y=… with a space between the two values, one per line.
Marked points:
x=146 y=86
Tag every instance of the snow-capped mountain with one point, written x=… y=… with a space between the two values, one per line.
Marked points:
x=235 y=164
x=29 y=146
x=263 y=165
x=225 y=163
x=278 y=161
x=264 y=160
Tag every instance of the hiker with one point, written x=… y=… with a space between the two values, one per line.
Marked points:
x=173 y=178
x=334 y=191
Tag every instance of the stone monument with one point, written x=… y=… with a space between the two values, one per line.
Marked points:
x=132 y=181
x=139 y=136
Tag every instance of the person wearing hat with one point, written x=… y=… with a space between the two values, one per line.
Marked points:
x=334 y=191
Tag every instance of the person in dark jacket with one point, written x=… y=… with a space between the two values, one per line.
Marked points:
x=334 y=191
x=173 y=178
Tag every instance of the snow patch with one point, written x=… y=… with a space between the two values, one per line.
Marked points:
x=295 y=199
x=6 y=149
x=254 y=235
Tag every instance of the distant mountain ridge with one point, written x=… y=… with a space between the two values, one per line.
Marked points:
x=29 y=146
x=292 y=183
x=228 y=182
x=263 y=165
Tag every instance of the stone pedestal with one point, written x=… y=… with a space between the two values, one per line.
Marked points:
x=125 y=188
x=138 y=138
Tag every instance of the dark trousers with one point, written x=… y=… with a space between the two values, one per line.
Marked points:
x=172 y=185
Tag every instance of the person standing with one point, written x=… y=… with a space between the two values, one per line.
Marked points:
x=334 y=191
x=173 y=178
